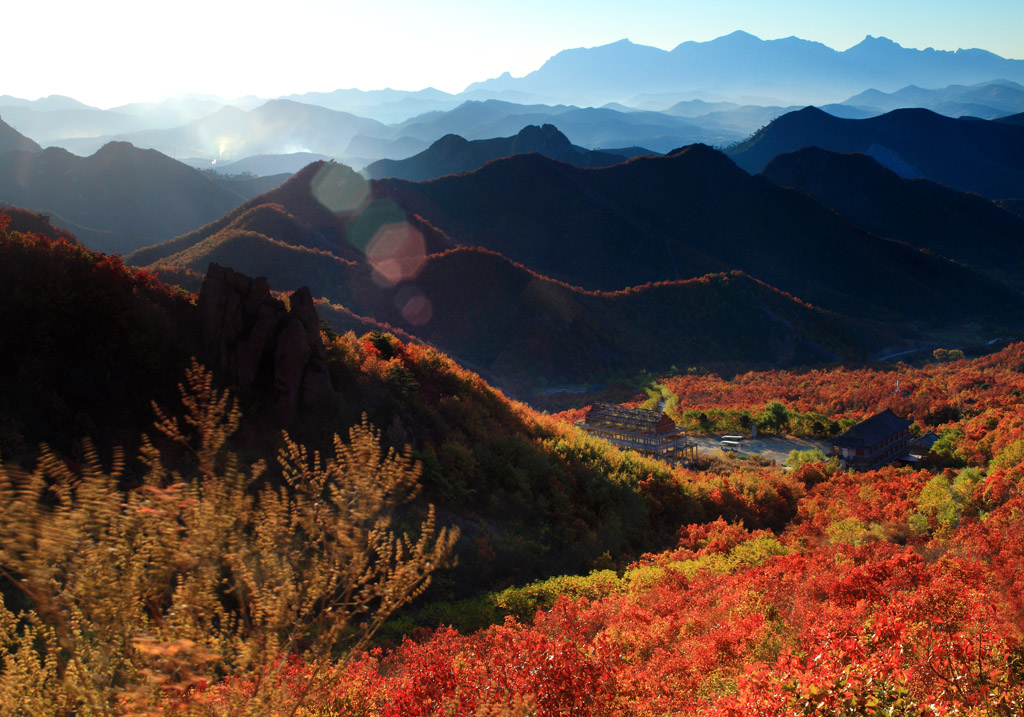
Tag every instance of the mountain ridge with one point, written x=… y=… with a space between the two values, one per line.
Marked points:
x=962 y=226
x=119 y=198
x=687 y=214
x=982 y=156
x=453 y=154
x=740 y=61
x=517 y=327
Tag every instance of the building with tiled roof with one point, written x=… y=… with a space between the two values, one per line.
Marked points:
x=649 y=432
x=874 y=442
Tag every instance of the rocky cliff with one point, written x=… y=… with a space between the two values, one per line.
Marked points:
x=258 y=341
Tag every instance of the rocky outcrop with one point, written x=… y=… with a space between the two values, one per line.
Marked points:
x=259 y=342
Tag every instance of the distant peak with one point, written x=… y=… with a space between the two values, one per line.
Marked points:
x=53 y=152
x=704 y=156
x=697 y=149
x=116 y=147
x=546 y=130
x=739 y=35
x=806 y=114
x=872 y=42
x=532 y=138
x=450 y=140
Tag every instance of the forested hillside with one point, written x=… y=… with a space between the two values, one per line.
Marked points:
x=767 y=589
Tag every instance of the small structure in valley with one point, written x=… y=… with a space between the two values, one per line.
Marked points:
x=874 y=442
x=649 y=432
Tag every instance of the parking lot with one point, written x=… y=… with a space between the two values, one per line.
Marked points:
x=776 y=448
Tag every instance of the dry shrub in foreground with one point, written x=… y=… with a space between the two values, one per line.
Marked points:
x=136 y=599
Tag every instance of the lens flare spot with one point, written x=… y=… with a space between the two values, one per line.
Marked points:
x=396 y=253
x=338 y=188
x=417 y=310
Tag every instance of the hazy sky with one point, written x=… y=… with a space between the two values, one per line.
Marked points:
x=108 y=52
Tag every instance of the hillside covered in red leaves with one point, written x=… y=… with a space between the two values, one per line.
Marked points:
x=896 y=591
x=727 y=587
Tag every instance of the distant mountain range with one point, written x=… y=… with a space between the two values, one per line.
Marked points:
x=607 y=97
x=988 y=100
x=974 y=155
x=387 y=106
x=278 y=126
x=116 y=200
x=282 y=127
x=453 y=154
x=52 y=119
x=794 y=70
x=594 y=127
x=983 y=156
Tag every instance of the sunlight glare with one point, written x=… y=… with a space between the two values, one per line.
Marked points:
x=396 y=253
x=414 y=306
x=339 y=189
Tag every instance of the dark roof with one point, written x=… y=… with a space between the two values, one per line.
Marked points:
x=638 y=420
x=926 y=441
x=872 y=431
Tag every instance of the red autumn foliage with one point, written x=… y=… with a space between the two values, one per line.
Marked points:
x=896 y=591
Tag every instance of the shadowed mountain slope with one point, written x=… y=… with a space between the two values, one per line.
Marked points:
x=26 y=222
x=685 y=215
x=118 y=199
x=986 y=157
x=646 y=220
x=959 y=225
x=518 y=327
x=452 y=154
x=11 y=140
x=326 y=207
x=85 y=344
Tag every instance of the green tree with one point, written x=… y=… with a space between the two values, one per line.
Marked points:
x=798 y=458
x=775 y=417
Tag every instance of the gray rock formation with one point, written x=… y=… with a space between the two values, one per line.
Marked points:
x=258 y=342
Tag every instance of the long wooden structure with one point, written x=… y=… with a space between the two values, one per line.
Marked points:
x=649 y=432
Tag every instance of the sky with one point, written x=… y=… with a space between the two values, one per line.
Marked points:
x=110 y=52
